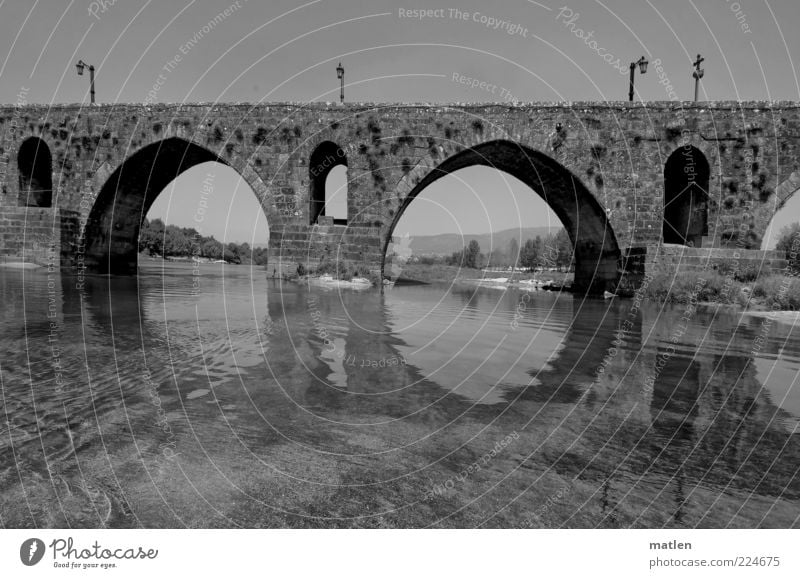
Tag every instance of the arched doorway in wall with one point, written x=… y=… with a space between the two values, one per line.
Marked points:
x=34 y=164
x=686 y=178
x=596 y=252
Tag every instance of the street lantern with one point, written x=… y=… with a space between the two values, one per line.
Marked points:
x=340 y=76
x=642 y=64
x=80 y=66
x=697 y=74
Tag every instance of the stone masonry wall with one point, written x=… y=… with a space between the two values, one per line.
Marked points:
x=618 y=151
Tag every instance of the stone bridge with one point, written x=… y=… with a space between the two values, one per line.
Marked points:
x=76 y=182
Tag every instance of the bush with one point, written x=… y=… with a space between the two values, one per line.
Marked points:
x=701 y=286
x=326 y=268
x=301 y=270
x=778 y=292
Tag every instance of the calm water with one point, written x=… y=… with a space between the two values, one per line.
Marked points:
x=225 y=399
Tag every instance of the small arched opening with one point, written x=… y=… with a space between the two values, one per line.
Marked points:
x=327 y=171
x=35 y=173
x=686 y=176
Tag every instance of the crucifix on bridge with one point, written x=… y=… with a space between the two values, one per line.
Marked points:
x=698 y=74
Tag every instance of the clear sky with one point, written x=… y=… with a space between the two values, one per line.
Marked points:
x=278 y=50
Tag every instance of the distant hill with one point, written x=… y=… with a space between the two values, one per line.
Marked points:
x=448 y=243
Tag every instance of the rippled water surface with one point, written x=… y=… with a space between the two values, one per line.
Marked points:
x=218 y=397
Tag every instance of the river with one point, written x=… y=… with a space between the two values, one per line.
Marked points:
x=212 y=396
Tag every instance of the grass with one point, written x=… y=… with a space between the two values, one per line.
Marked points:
x=774 y=292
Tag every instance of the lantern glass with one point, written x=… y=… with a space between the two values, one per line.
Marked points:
x=339 y=71
x=80 y=66
x=643 y=65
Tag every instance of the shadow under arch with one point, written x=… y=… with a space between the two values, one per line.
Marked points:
x=110 y=236
x=596 y=249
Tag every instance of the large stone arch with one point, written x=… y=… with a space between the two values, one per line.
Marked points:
x=109 y=238
x=597 y=252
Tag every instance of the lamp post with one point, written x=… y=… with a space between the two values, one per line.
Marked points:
x=340 y=76
x=698 y=74
x=80 y=66
x=642 y=64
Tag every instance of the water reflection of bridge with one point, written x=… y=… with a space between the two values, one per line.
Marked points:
x=705 y=424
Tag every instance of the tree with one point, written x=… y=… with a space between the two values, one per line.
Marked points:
x=232 y=253
x=211 y=248
x=456 y=259
x=787 y=237
x=542 y=259
x=176 y=242
x=564 y=249
x=151 y=237
x=472 y=255
x=528 y=257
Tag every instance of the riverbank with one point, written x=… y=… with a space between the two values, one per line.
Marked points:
x=418 y=273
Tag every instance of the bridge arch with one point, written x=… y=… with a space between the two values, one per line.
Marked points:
x=35 y=166
x=784 y=210
x=596 y=249
x=109 y=239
